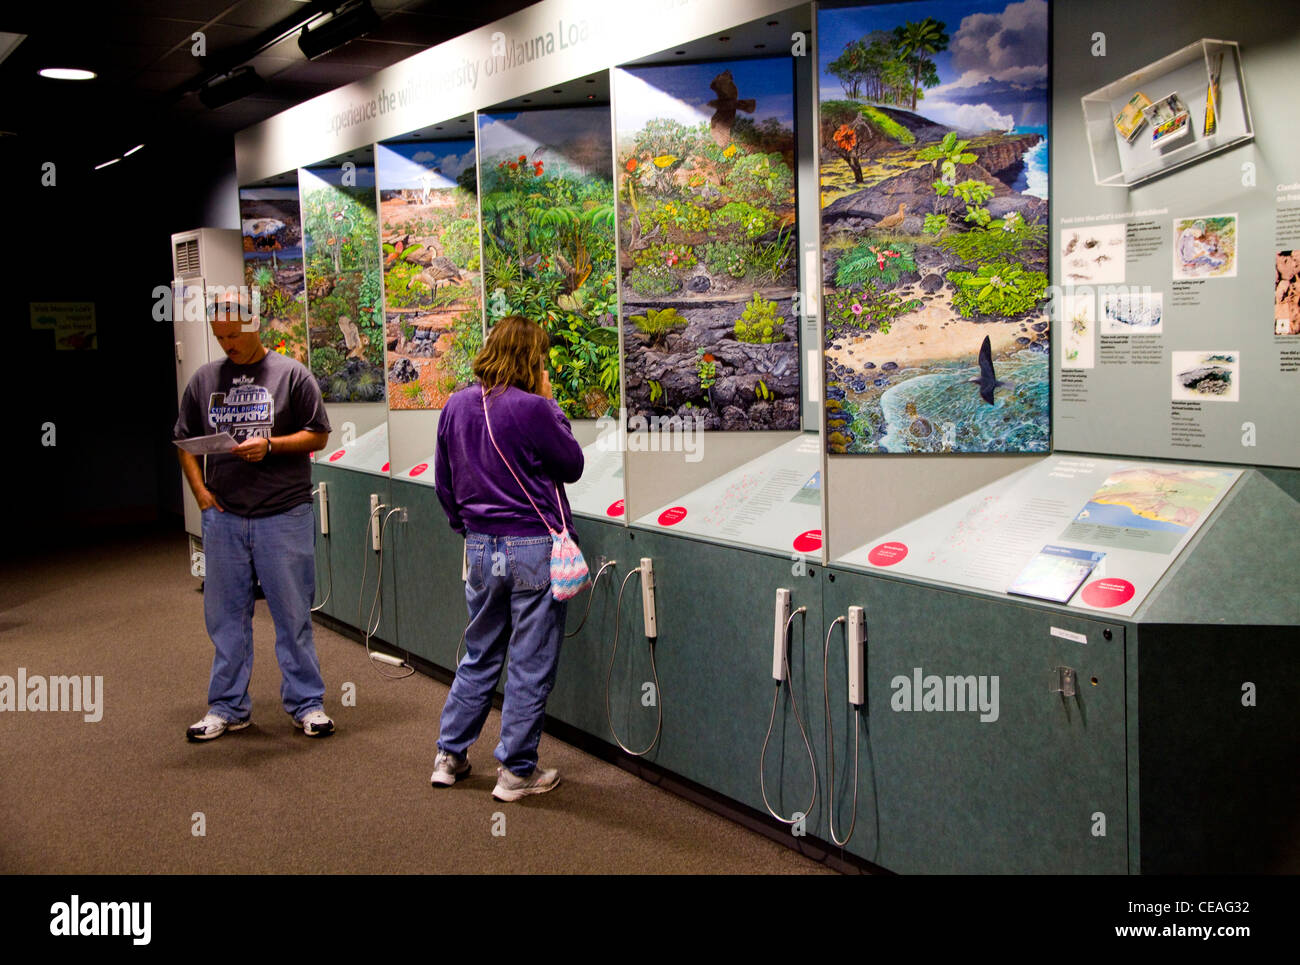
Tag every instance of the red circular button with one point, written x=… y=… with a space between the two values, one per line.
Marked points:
x=887 y=554
x=615 y=509
x=673 y=516
x=808 y=542
x=1108 y=593
x=417 y=470
x=335 y=457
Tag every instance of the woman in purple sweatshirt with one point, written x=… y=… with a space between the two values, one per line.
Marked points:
x=508 y=591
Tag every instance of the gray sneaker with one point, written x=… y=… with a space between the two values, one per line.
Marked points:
x=211 y=727
x=511 y=787
x=448 y=768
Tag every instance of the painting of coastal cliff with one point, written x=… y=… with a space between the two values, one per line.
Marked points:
x=706 y=211
x=933 y=175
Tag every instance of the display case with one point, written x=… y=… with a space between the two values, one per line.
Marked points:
x=1171 y=113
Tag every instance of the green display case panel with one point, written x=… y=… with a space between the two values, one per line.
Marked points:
x=429 y=592
x=344 y=558
x=1030 y=780
x=714 y=661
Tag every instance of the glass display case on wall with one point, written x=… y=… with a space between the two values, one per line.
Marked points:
x=1171 y=113
x=433 y=309
x=721 y=445
x=548 y=248
x=344 y=294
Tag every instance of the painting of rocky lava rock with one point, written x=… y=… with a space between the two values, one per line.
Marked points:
x=272 y=236
x=547 y=184
x=344 y=286
x=433 y=315
x=933 y=175
x=706 y=213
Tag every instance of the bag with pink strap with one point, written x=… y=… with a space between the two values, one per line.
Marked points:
x=568 y=568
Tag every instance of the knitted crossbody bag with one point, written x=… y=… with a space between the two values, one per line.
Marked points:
x=568 y=568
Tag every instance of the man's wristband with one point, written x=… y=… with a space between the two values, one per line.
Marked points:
x=268 y=445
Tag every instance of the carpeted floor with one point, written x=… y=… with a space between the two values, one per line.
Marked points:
x=126 y=794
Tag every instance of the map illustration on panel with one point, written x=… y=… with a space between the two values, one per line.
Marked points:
x=1149 y=509
x=433 y=316
x=706 y=211
x=272 y=235
x=933 y=174
x=343 y=282
x=547 y=204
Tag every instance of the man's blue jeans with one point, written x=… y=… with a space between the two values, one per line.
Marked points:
x=508 y=595
x=280 y=549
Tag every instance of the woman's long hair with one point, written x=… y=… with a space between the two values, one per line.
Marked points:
x=514 y=354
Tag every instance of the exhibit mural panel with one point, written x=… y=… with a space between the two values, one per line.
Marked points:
x=548 y=243
x=433 y=313
x=270 y=222
x=1096 y=534
x=1177 y=232
x=344 y=287
x=933 y=170
x=707 y=243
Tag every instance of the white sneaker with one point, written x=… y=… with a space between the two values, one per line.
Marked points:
x=448 y=768
x=511 y=787
x=212 y=727
x=315 y=723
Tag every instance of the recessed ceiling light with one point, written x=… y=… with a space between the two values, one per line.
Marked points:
x=680 y=52
x=528 y=100
x=438 y=128
x=723 y=39
x=591 y=80
x=591 y=97
x=67 y=73
x=107 y=163
x=759 y=46
x=557 y=91
x=132 y=151
x=773 y=23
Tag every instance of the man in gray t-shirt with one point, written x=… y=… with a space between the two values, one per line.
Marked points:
x=258 y=522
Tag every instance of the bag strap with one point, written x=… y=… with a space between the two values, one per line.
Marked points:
x=517 y=480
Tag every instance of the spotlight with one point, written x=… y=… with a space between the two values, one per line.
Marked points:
x=67 y=73
x=347 y=24
x=223 y=90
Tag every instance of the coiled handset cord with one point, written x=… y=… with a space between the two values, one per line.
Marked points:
x=659 y=708
x=329 y=567
x=830 y=738
x=776 y=696
x=372 y=623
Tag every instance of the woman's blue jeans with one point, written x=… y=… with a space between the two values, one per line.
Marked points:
x=280 y=550
x=511 y=610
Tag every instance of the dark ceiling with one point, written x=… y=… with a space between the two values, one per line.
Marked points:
x=143 y=51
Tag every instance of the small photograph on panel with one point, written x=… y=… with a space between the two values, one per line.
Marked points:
x=1286 y=293
x=1132 y=313
x=1207 y=376
x=1078 y=325
x=1093 y=255
x=1205 y=247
